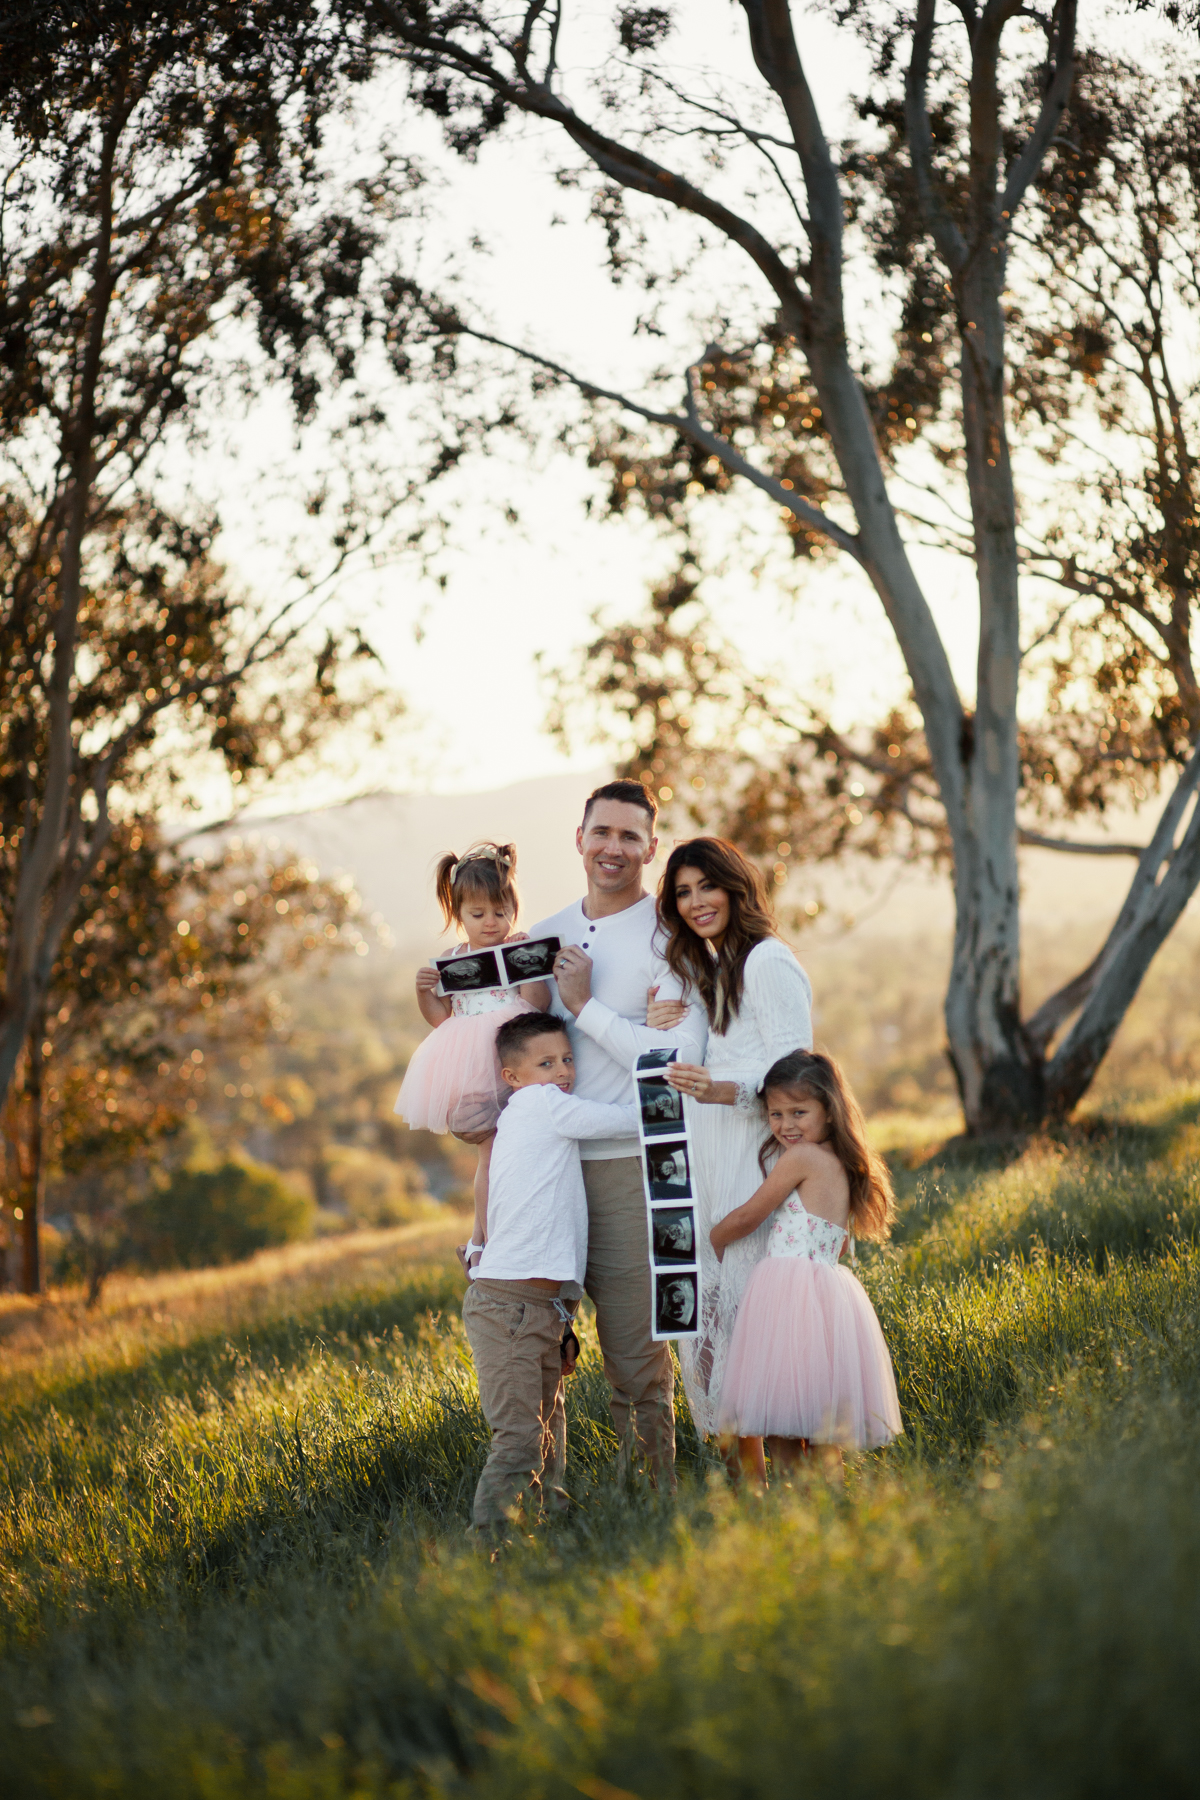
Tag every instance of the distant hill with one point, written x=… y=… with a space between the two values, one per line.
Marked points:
x=390 y=843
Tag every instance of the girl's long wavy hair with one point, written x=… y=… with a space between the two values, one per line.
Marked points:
x=717 y=979
x=872 y=1202
x=486 y=869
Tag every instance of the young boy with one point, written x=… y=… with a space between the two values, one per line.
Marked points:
x=526 y=1277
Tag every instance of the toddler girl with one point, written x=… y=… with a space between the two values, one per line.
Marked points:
x=454 y=1082
x=808 y=1367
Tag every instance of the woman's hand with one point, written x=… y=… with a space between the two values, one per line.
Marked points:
x=663 y=1015
x=691 y=1079
x=698 y=1084
x=718 y=1239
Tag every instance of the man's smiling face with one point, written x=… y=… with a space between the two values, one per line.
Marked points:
x=616 y=844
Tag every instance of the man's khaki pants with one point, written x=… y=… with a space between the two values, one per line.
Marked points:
x=515 y=1331
x=640 y=1371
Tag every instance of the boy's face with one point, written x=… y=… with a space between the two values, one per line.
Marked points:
x=545 y=1061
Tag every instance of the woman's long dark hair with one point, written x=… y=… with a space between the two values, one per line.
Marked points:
x=872 y=1203
x=717 y=979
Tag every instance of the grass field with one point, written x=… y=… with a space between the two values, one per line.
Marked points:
x=234 y=1561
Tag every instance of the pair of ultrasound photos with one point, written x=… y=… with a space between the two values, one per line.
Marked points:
x=506 y=966
x=667 y=1168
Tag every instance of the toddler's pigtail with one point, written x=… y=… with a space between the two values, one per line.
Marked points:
x=506 y=868
x=444 y=889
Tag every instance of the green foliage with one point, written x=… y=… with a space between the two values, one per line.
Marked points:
x=371 y=1189
x=207 y=1216
x=237 y=1561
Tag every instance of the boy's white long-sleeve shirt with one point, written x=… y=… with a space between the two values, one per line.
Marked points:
x=611 y=1030
x=537 y=1209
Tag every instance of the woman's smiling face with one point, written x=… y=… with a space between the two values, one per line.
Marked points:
x=703 y=906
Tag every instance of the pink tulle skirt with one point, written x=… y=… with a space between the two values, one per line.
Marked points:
x=808 y=1359
x=453 y=1082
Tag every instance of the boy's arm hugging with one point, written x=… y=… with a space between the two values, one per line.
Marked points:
x=574 y=1117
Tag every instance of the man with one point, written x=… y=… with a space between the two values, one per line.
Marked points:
x=603 y=971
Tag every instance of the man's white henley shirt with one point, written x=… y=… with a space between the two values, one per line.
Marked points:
x=611 y=1030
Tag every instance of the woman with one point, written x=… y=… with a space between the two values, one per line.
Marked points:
x=719 y=939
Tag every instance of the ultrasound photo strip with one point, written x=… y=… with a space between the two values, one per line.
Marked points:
x=672 y=1236
x=660 y=1106
x=507 y=965
x=672 y=1231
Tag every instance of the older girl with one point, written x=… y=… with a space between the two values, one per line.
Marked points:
x=808 y=1368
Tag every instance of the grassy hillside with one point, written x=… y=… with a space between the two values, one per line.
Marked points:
x=234 y=1555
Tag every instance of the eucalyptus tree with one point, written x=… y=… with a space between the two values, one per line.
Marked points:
x=159 y=183
x=963 y=176
x=161 y=192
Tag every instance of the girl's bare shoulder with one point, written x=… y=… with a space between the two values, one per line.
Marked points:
x=804 y=1159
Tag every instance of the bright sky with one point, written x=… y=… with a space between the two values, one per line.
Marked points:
x=471 y=680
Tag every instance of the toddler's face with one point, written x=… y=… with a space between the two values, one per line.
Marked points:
x=796 y=1117
x=486 y=922
x=547 y=1062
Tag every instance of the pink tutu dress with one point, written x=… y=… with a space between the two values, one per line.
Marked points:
x=807 y=1358
x=453 y=1082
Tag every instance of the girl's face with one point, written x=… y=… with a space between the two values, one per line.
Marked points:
x=702 y=905
x=796 y=1116
x=486 y=922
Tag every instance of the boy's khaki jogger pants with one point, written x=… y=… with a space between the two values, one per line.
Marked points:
x=640 y=1371
x=515 y=1331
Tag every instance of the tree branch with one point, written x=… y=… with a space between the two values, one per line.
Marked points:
x=689 y=424
x=624 y=164
x=1130 y=921
x=949 y=239
x=1036 y=841
x=773 y=42
x=1053 y=105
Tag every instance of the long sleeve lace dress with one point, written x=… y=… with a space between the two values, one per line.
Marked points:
x=775 y=1017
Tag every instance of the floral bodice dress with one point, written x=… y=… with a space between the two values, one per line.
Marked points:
x=794 y=1231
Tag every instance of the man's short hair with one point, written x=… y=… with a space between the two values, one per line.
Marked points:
x=515 y=1035
x=629 y=793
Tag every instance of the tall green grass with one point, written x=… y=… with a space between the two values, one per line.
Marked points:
x=241 y=1566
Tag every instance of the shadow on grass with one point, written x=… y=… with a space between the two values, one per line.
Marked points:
x=1149 y=1138
x=414 y=1464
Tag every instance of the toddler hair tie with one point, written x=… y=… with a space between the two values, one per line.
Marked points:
x=486 y=853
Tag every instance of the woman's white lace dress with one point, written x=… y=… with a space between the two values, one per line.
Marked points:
x=775 y=1017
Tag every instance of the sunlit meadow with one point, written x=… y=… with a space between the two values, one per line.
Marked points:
x=235 y=1558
